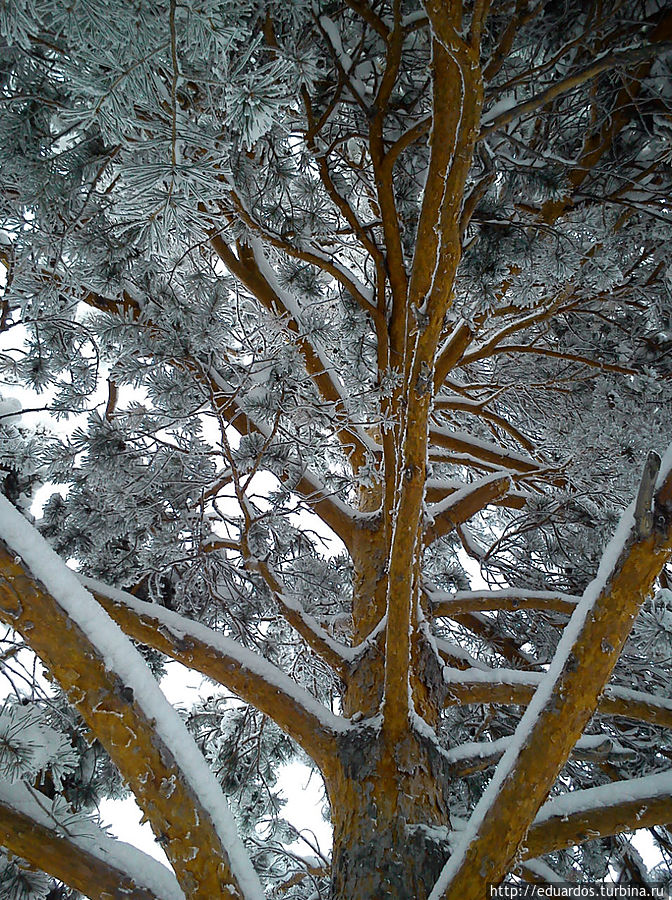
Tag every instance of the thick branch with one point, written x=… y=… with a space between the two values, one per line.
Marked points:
x=565 y=700
x=482 y=601
x=517 y=688
x=462 y=442
x=462 y=505
x=416 y=329
x=451 y=352
x=600 y=811
x=109 y=684
x=252 y=678
x=96 y=865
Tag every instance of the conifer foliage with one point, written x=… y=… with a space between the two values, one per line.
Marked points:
x=354 y=323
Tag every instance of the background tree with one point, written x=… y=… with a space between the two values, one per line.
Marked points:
x=378 y=296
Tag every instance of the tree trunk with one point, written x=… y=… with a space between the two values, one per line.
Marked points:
x=390 y=818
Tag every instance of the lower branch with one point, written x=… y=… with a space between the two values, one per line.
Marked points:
x=517 y=688
x=600 y=811
x=95 y=864
x=252 y=678
x=109 y=684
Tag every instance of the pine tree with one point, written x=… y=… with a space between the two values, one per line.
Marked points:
x=354 y=323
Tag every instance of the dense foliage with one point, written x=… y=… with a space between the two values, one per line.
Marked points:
x=224 y=225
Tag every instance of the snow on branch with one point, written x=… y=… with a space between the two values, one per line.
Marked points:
x=567 y=695
x=108 y=682
x=447 y=604
x=507 y=110
x=251 y=677
x=77 y=851
x=600 y=811
x=463 y=442
x=337 y=655
x=465 y=759
x=461 y=505
x=517 y=688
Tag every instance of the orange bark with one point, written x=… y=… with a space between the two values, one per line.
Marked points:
x=55 y=854
x=146 y=763
x=283 y=707
x=572 y=701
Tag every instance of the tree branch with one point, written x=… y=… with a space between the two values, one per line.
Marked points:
x=597 y=143
x=609 y=61
x=516 y=688
x=95 y=864
x=564 y=702
x=558 y=354
x=383 y=166
x=319 y=640
x=520 y=17
x=462 y=442
x=511 y=600
x=451 y=352
x=335 y=514
x=465 y=759
x=252 y=678
x=108 y=682
x=586 y=815
x=362 y=8
x=479 y=409
x=462 y=505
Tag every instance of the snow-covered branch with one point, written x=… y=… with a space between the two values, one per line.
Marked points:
x=600 y=811
x=567 y=695
x=446 y=604
x=516 y=687
x=461 y=505
x=471 y=757
x=251 y=677
x=109 y=683
x=462 y=442
x=495 y=119
x=77 y=851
